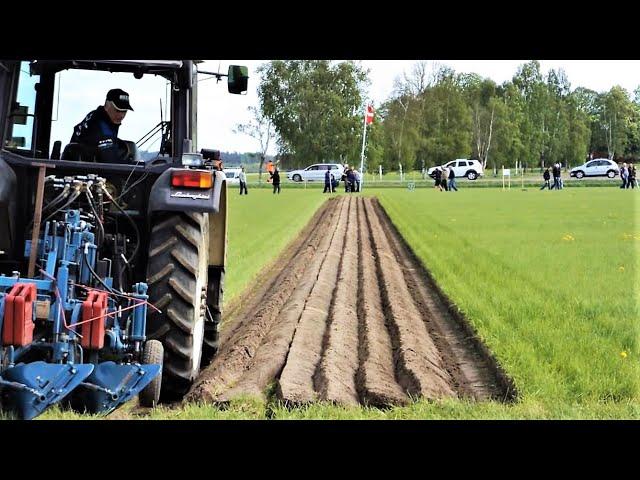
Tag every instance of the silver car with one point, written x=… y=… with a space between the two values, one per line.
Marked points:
x=598 y=167
x=316 y=172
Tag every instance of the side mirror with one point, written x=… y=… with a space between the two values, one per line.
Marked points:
x=237 y=79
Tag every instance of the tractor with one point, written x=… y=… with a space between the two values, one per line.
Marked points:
x=111 y=274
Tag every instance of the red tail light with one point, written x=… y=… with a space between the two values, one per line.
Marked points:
x=191 y=178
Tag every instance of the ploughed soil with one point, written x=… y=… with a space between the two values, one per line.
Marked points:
x=349 y=315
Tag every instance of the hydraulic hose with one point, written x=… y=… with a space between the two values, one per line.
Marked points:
x=133 y=224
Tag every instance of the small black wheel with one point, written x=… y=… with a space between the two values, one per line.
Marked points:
x=297 y=178
x=153 y=353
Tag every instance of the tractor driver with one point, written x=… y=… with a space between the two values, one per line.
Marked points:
x=98 y=132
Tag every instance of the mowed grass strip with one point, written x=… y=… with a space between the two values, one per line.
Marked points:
x=549 y=280
x=260 y=226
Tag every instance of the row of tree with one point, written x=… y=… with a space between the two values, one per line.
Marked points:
x=313 y=108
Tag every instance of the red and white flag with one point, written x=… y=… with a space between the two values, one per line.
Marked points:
x=369 y=115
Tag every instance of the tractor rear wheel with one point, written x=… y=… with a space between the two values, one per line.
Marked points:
x=177 y=279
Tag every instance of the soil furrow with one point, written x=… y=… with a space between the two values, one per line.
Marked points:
x=375 y=378
x=419 y=368
x=337 y=369
x=296 y=382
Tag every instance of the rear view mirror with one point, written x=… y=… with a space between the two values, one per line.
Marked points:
x=237 y=79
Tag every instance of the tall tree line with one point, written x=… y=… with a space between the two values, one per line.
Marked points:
x=534 y=119
x=436 y=115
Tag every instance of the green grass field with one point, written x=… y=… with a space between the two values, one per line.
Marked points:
x=548 y=279
x=261 y=224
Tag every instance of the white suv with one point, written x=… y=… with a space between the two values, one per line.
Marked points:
x=233 y=175
x=462 y=167
x=596 y=167
x=316 y=172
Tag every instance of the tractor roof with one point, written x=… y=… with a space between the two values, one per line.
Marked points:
x=133 y=66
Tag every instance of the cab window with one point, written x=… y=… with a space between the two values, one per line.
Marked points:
x=20 y=120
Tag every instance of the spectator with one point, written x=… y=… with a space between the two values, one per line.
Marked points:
x=351 y=178
x=443 y=179
x=243 y=181
x=452 y=180
x=624 y=175
x=438 y=177
x=275 y=178
x=556 y=176
x=270 y=167
x=631 y=178
x=328 y=182
x=345 y=177
x=547 y=176
x=357 y=177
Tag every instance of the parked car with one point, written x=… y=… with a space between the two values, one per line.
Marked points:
x=233 y=175
x=598 y=167
x=462 y=167
x=315 y=173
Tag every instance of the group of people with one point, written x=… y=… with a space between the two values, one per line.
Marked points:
x=628 y=175
x=556 y=170
x=350 y=176
x=445 y=179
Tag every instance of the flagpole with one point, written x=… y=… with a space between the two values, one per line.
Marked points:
x=364 y=137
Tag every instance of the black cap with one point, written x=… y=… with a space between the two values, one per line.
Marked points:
x=120 y=99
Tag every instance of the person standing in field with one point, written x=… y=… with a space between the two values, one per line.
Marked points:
x=546 y=176
x=631 y=178
x=556 y=176
x=452 y=180
x=443 y=179
x=438 y=177
x=243 y=181
x=351 y=178
x=328 y=182
x=275 y=178
x=270 y=167
x=624 y=175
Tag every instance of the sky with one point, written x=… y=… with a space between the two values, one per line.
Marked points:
x=219 y=112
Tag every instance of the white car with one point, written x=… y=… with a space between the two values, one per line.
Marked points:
x=598 y=167
x=316 y=172
x=462 y=167
x=233 y=175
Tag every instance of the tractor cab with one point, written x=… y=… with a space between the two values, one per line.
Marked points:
x=111 y=272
